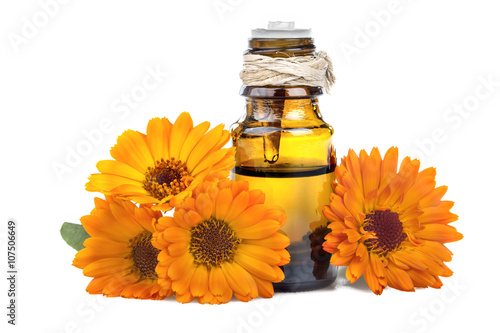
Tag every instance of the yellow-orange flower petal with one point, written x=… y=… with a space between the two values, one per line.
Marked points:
x=389 y=225
x=119 y=255
x=221 y=242
x=164 y=165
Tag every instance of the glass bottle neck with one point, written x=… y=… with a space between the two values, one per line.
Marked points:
x=281 y=92
x=281 y=47
x=276 y=104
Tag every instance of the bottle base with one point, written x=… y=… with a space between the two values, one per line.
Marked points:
x=303 y=285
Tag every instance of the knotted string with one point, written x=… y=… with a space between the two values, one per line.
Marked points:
x=261 y=70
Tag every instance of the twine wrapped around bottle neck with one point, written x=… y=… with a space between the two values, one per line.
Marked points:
x=261 y=70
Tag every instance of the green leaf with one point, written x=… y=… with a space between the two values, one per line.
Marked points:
x=74 y=235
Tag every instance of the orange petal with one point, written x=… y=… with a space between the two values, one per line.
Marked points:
x=276 y=241
x=436 y=250
x=261 y=253
x=410 y=259
x=183 y=285
x=354 y=167
x=204 y=206
x=217 y=282
x=422 y=279
x=97 y=285
x=356 y=269
x=226 y=297
x=105 y=225
x=199 y=281
x=182 y=126
x=239 y=280
x=177 y=235
x=204 y=146
x=371 y=174
x=352 y=235
x=192 y=218
x=375 y=283
x=238 y=205
x=222 y=203
x=132 y=148
x=97 y=248
x=439 y=232
x=107 y=266
x=402 y=181
x=126 y=220
x=262 y=229
x=178 y=249
x=208 y=161
x=419 y=190
x=389 y=167
x=437 y=215
x=108 y=182
x=339 y=209
x=180 y=267
x=192 y=140
x=256 y=267
x=353 y=202
x=184 y=298
x=377 y=266
x=120 y=169
x=249 y=217
x=338 y=260
x=256 y=197
x=433 y=198
x=265 y=288
x=398 y=278
x=158 y=134
x=347 y=248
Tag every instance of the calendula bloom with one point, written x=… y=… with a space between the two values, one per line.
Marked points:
x=165 y=164
x=219 y=242
x=389 y=225
x=119 y=254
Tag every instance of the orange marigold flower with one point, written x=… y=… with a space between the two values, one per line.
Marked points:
x=164 y=165
x=389 y=225
x=221 y=241
x=119 y=254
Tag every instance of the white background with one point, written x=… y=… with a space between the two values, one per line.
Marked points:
x=401 y=79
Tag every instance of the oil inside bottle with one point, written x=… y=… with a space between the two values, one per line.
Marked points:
x=301 y=195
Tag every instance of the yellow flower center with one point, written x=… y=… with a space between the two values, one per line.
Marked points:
x=166 y=178
x=213 y=242
x=144 y=255
x=388 y=229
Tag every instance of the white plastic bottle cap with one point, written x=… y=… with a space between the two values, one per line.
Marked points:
x=280 y=29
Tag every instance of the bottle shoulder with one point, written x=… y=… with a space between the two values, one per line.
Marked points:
x=281 y=92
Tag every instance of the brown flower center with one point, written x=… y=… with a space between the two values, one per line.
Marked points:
x=388 y=229
x=166 y=178
x=213 y=242
x=144 y=255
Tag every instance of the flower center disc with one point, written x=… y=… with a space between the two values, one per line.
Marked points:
x=145 y=255
x=213 y=242
x=388 y=229
x=166 y=178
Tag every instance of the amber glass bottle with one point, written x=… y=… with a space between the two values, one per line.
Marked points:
x=285 y=149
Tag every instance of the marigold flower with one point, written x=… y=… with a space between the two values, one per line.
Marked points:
x=165 y=164
x=389 y=225
x=219 y=242
x=119 y=254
